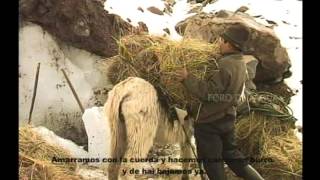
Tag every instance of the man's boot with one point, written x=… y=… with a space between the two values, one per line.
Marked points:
x=251 y=174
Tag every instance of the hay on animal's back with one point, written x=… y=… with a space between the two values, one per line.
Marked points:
x=155 y=59
x=198 y=57
x=133 y=44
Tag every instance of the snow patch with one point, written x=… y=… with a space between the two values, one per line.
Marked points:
x=99 y=135
x=50 y=137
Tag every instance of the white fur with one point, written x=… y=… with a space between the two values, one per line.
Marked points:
x=143 y=122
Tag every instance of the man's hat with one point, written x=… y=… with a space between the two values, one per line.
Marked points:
x=236 y=35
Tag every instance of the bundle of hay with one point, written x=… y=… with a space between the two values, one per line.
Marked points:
x=35 y=158
x=156 y=59
x=131 y=45
x=271 y=145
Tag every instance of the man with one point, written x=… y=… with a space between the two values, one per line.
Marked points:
x=219 y=96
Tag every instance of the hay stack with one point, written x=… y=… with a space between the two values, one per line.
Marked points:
x=35 y=158
x=155 y=59
x=273 y=144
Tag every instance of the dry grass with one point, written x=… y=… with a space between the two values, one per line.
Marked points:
x=265 y=138
x=35 y=156
x=156 y=59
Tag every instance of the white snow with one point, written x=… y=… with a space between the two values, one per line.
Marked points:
x=76 y=151
x=50 y=137
x=54 y=101
x=155 y=23
x=92 y=174
x=98 y=131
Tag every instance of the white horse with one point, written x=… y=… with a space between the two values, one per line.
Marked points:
x=137 y=121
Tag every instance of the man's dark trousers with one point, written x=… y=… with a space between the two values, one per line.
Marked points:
x=215 y=144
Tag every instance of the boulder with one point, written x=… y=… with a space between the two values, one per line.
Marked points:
x=242 y=9
x=167 y=9
x=155 y=10
x=81 y=23
x=196 y=9
x=140 y=9
x=203 y=2
x=263 y=42
x=142 y=27
x=170 y=2
x=166 y=30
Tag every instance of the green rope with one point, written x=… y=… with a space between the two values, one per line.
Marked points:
x=264 y=102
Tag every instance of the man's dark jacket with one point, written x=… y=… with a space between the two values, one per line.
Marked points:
x=219 y=94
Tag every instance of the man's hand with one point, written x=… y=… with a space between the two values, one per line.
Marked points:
x=181 y=74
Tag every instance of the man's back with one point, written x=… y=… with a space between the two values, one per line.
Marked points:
x=236 y=68
x=222 y=91
x=219 y=95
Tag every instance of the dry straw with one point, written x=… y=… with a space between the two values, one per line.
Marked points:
x=156 y=59
x=272 y=144
x=35 y=158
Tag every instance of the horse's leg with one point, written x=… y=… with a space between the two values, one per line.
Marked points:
x=141 y=122
x=187 y=147
x=114 y=167
x=186 y=153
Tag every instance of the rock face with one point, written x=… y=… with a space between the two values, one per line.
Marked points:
x=81 y=23
x=263 y=43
